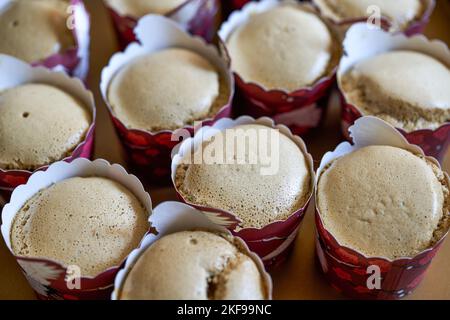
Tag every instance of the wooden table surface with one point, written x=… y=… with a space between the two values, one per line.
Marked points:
x=299 y=277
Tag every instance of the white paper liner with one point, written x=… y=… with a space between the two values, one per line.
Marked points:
x=172 y=217
x=156 y=33
x=61 y=171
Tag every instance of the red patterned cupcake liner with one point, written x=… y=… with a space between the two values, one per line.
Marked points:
x=349 y=271
x=14 y=72
x=362 y=43
x=199 y=17
x=272 y=242
x=74 y=61
x=415 y=27
x=50 y=279
x=172 y=217
x=149 y=153
x=301 y=110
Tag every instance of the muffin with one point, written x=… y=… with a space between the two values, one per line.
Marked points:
x=39 y=124
x=401 y=12
x=408 y=89
x=194 y=265
x=287 y=47
x=93 y=223
x=35 y=30
x=239 y=184
x=166 y=90
x=383 y=201
x=139 y=8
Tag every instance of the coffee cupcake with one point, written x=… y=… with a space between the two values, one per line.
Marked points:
x=45 y=116
x=196 y=16
x=145 y=95
x=46 y=32
x=194 y=265
x=404 y=81
x=284 y=56
x=407 y=15
x=250 y=192
x=380 y=203
x=93 y=223
x=190 y=257
x=72 y=226
x=160 y=86
x=51 y=123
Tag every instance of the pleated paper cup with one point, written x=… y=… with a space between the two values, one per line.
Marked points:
x=350 y=271
x=199 y=17
x=14 y=72
x=301 y=110
x=362 y=43
x=172 y=217
x=74 y=61
x=51 y=279
x=149 y=153
x=415 y=26
x=273 y=241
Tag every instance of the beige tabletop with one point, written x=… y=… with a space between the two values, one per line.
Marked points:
x=299 y=277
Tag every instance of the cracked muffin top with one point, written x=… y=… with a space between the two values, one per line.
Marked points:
x=39 y=124
x=93 y=223
x=401 y=12
x=166 y=90
x=139 y=8
x=384 y=201
x=259 y=182
x=408 y=89
x=285 y=48
x=34 y=30
x=194 y=265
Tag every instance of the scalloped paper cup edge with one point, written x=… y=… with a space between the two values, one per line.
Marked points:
x=15 y=72
x=241 y=16
x=165 y=34
x=182 y=217
x=60 y=171
x=363 y=135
